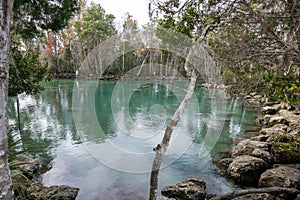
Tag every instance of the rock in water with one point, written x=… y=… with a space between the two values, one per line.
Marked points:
x=39 y=192
x=246 y=170
x=282 y=176
x=190 y=189
x=246 y=147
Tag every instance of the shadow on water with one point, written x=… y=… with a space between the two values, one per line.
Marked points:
x=48 y=125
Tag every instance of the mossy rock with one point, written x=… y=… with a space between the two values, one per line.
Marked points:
x=283 y=136
x=286 y=149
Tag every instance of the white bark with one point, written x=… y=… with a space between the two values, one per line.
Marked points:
x=6 y=191
x=162 y=147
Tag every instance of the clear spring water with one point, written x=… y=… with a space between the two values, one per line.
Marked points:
x=101 y=139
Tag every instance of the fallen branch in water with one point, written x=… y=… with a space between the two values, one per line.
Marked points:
x=269 y=190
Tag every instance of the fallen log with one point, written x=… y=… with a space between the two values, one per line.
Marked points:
x=270 y=190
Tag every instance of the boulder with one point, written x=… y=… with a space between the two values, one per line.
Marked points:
x=246 y=147
x=282 y=176
x=260 y=138
x=290 y=117
x=282 y=105
x=39 y=192
x=260 y=153
x=246 y=170
x=286 y=152
x=294 y=130
x=285 y=148
x=29 y=166
x=276 y=119
x=268 y=110
x=225 y=162
x=274 y=129
x=188 y=190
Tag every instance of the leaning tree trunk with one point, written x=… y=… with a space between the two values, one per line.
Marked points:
x=6 y=191
x=162 y=147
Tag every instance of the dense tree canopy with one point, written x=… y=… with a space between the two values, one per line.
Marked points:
x=30 y=18
x=94 y=26
x=256 y=43
x=30 y=21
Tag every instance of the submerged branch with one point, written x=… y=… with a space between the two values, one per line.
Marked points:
x=270 y=190
x=162 y=147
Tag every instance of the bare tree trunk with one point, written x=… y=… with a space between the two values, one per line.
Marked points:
x=18 y=113
x=6 y=191
x=162 y=147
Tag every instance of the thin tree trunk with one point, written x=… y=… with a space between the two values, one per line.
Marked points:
x=6 y=191
x=162 y=147
x=138 y=74
x=123 y=58
x=18 y=113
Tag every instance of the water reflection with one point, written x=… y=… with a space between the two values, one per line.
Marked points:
x=74 y=148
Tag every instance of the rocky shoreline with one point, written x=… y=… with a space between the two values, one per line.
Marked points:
x=27 y=182
x=268 y=163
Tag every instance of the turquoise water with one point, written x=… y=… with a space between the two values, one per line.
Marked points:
x=99 y=136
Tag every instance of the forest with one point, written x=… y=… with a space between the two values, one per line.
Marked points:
x=255 y=45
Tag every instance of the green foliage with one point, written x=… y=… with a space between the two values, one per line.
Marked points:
x=184 y=19
x=286 y=149
x=30 y=18
x=25 y=70
x=94 y=27
x=19 y=174
x=285 y=88
x=249 y=40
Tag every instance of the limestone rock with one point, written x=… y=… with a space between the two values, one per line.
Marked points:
x=269 y=110
x=290 y=117
x=260 y=153
x=285 y=148
x=276 y=119
x=274 y=129
x=30 y=167
x=260 y=138
x=246 y=170
x=188 y=190
x=286 y=152
x=225 y=162
x=38 y=192
x=246 y=147
x=282 y=176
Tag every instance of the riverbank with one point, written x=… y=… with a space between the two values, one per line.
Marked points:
x=265 y=165
x=26 y=176
x=114 y=77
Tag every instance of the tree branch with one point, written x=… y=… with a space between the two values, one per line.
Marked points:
x=270 y=190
